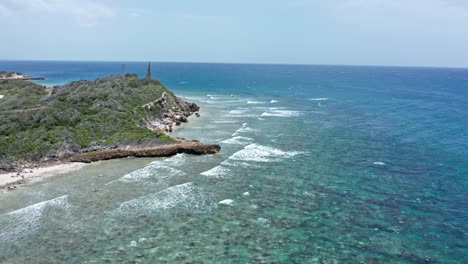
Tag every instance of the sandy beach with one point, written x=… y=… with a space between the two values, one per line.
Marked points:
x=12 y=180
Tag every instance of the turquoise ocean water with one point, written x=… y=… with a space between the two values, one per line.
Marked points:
x=319 y=164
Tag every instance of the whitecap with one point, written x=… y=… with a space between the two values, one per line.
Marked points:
x=238 y=111
x=379 y=163
x=176 y=159
x=26 y=220
x=273 y=102
x=263 y=222
x=277 y=108
x=244 y=128
x=133 y=244
x=259 y=153
x=319 y=99
x=156 y=170
x=185 y=196
x=227 y=163
x=228 y=202
x=282 y=113
x=216 y=172
x=255 y=102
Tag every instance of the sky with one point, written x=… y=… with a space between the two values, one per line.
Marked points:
x=343 y=32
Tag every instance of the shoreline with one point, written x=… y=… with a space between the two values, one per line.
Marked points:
x=10 y=181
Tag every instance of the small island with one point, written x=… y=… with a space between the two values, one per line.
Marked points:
x=86 y=121
x=4 y=75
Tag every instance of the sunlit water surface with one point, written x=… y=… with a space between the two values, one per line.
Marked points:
x=318 y=165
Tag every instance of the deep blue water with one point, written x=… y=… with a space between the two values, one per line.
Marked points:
x=342 y=164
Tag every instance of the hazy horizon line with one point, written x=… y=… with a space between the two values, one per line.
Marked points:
x=243 y=63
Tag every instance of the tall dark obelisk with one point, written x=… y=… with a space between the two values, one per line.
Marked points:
x=148 y=72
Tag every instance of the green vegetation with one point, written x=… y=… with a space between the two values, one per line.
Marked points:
x=106 y=112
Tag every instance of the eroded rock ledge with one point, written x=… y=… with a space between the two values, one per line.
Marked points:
x=190 y=147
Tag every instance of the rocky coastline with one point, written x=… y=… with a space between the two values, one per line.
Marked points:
x=173 y=116
x=87 y=121
x=33 y=171
x=193 y=147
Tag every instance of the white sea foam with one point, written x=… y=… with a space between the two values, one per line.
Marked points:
x=237 y=140
x=216 y=172
x=228 y=202
x=379 y=163
x=277 y=108
x=259 y=153
x=154 y=171
x=263 y=222
x=238 y=111
x=319 y=99
x=157 y=170
x=227 y=163
x=1 y=96
x=255 y=102
x=273 y=102
x=26 y=220
x=175 y=160
x=282 y=113
x=186 y=196
x=244 y=128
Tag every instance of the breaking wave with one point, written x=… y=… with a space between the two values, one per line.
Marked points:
x=244 y=128
x=282 y=113
x=157 y=170
x=216 y=172
x=21 y=222
x=237 y=140
x=259 y=153
x=184 y=196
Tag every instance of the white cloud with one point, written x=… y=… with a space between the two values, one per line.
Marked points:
x=84 y=12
